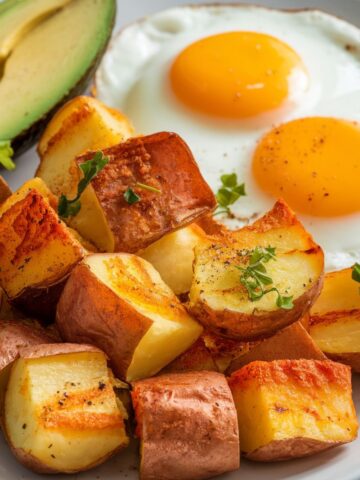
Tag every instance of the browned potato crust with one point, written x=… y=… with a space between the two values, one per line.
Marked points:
x=292 y=342
x=187 y=425
x=163 y=161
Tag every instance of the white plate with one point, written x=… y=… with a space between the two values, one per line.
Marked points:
x=342 y=463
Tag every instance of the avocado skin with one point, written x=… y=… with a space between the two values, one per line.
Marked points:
x=27 y=138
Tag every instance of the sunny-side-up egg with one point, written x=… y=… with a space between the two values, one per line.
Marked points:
x=271 y=95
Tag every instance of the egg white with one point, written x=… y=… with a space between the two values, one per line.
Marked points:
x=133 y=77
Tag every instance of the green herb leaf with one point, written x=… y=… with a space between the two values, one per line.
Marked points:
x=284 y=302
x=90 y=168
x=355 y=274
x=131 y=197
x=254 y=277
x=228 y=193
x=6 y=153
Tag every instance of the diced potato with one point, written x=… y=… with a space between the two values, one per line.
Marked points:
x=335 y=319
x=119 y=303
x=173 y=257
x=61 y=412
x=187 y=426
x=291 y=343
x=37 y=251
x=163 y=162
x=293 y=408
x=220 y=301
x=82 y=124
x=197 y=358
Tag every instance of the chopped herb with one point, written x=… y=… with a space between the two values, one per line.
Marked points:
x=228 y=193
x=254 y=277
x=90 y=168
x=131 y=197
x=355 y=274
x=147 y=187
x=6 y=153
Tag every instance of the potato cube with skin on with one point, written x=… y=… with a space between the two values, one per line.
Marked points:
x=61 y=412
x=37 y=252
x=119 y=303
x=82 y=124
x=221 y=302
x=171 y=192
x=292 y=342
x=335 y=318
x=293 y=408
x=187 y=426
x=5 y=190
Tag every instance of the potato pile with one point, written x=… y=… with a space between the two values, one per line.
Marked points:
x=120 y=289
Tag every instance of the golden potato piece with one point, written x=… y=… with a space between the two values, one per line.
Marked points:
x=291 y=343
x=293 y=408
x=187 y=426
x=82 y=124
x=335 y=319
x=61 y=412
x=221 y=302
x=162 y=161
x=119 y=303
x=197 y=358
x=37 y=252
x=173 y=257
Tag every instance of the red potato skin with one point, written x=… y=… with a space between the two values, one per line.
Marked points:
x=163 y=161
x=5 y=190
x=292 y=343
x=188 y=426
x=14 y=335
x=90 y=312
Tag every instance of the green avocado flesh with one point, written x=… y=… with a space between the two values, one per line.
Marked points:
x=51 y=63
x=18 y=17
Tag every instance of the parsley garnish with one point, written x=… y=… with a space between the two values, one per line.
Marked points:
x=228 y=193
x=90 y=168
x=254 y=277
x=131 y=197
x=6 y=153
x=355 y=274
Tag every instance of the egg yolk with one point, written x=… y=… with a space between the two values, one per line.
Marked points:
x=313 y=163
x=237 y=74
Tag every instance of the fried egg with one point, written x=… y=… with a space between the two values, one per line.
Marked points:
x=273 y=96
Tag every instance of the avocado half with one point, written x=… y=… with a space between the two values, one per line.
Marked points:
x=55 y=46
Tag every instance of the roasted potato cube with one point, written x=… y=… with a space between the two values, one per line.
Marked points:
x=37 y=253
x=162 y=162
x=187 y=426
x=61 y=412
x=173 y=257
x=291 y=343
x=82 y=124
x=119 y=303
x=221 y=302
x=335 y=319
x=293 y=408
x=15 y=335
